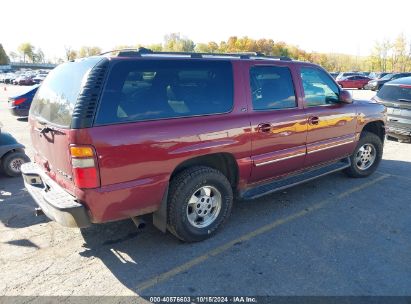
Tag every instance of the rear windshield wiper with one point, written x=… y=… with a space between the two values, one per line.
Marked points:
x=403 y=99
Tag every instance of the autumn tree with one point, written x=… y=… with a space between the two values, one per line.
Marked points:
x=202 y=48
x=399 y=54
x=87 y=51
x=70 y=53
x=26 y=50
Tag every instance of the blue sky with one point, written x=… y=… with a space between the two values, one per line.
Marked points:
x=326 y=26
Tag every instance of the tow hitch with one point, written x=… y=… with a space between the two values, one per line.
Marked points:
x=38 y=212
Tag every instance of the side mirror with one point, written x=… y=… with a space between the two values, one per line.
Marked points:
x=345 y=97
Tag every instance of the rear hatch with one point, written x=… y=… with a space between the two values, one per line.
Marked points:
x=51 y=116
x=397 y=99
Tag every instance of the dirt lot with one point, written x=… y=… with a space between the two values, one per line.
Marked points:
x=332 y=236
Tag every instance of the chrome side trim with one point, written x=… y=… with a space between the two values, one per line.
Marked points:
x=279 y=159
x=329 y=147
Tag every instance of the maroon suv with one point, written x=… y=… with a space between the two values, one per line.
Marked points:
x=180 y=135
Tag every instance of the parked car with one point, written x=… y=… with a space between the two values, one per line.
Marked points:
x=39 y=78
x=377 y=75
x=181 y=135
x=356 y=81
x=19 y=105
x=346 y=74
x=12 y=154
x=7 y=78
x=396 y=96
x=376 y=84
x=23 y=80
x=334 y=74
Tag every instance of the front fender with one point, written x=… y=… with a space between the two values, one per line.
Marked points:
x=368 y=111
x=8 y=143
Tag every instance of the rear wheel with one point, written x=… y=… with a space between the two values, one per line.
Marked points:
x=366 y=157
x=12 y=162
x=200 y=201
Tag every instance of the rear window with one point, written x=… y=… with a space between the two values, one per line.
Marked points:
x=395 y=93
x=159 y=89
x=57 y=96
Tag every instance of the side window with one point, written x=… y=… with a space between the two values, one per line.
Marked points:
x=159 y=89
x=272 y=88
x=319 y=89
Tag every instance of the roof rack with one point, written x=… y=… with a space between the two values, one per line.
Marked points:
x=144 y=52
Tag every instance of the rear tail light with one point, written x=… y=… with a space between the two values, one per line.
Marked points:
x=16 y=102
x=84 y=164
x=405 y=86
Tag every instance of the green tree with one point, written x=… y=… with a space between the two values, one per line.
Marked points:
x=26 y=49
x=202 y=48
x=4 y=59
x=86 y=51
x=156 y=47
x=38 y=56
x=175 y=43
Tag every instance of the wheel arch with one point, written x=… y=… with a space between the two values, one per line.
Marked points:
x=377 y=127
x=224 y=162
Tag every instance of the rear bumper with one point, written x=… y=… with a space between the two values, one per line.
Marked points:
x=399 y=132
x=56 y=203
x=15 y=111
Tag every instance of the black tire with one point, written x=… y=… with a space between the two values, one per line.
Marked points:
x=366 y=139
x=186 y=185
x=11 y=162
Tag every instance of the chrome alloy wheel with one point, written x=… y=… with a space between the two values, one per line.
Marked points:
x=204 y=206
x=365 y=156
x=15 y=164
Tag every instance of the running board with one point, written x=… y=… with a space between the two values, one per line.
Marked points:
x=289 y=181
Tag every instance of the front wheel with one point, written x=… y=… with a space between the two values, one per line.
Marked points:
x=12 y=162
x=200 y=201
x=366 y=157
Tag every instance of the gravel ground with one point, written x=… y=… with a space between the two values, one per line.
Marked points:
x=332 y=236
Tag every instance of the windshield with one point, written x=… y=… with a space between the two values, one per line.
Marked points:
x=55 y=100
x=387 y=77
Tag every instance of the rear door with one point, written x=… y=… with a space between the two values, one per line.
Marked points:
x=278 y=121
x=331 y=124
x=51 y=116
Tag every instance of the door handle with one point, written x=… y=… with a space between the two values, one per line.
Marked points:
x=313 y=120
x=264 y=128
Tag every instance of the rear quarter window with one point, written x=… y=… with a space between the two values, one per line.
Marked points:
x=159 y=89
x=56 y=98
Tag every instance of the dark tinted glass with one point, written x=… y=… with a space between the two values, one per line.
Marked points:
x=387 y=77
x=158 y=89
x=319 y=88
x=57 y=95
x=401 y=75
x=394 y=92
x=272 y=88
